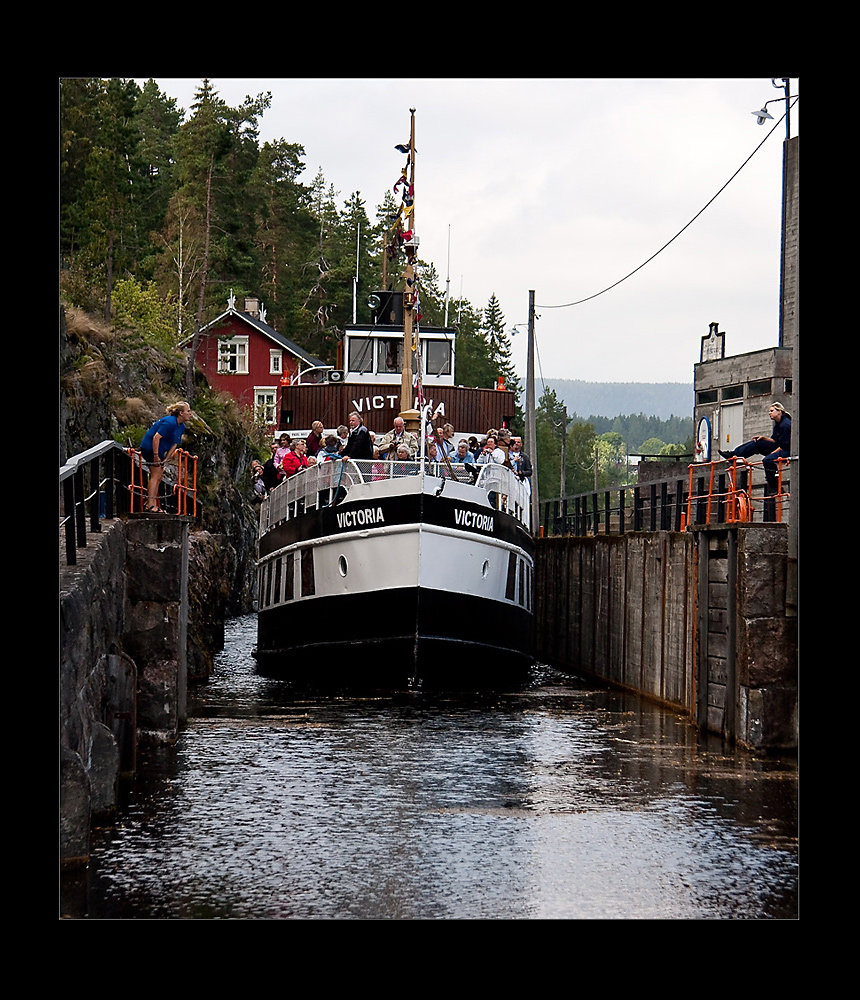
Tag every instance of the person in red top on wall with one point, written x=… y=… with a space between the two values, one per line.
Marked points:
x=295 y=460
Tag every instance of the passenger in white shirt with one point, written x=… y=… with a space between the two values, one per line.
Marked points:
x=491 y=453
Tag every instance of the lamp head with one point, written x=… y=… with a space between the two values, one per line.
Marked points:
x=762 y=116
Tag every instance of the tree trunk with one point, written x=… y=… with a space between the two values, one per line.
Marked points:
x=198 y=323
x=109 y=277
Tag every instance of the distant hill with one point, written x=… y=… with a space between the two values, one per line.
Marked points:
x=610 y=399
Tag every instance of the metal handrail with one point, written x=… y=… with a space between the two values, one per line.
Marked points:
x=117 y=485
x=711 y=497
x=320 y=485
x=734 y=495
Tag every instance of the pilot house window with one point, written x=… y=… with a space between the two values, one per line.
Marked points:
x=361 y=355
x=389 y=357
x=438 y=357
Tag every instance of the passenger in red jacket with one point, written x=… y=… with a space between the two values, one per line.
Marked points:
x=295 y=459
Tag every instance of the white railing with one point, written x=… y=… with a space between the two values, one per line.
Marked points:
x=325 y=484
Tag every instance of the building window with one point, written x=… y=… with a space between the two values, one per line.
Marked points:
x=759 y=388
x=276 y=362
x=233 y=356
x=732 y=392
x=706 y=396
x=264 y=405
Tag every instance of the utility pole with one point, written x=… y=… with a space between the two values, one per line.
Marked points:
x=563 y=446
x=531 y=427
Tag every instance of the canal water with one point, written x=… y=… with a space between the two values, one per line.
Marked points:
x=558 y=801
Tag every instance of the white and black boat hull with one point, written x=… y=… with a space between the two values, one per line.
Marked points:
x=404 y=583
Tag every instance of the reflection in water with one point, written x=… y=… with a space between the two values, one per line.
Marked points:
x=559 y=801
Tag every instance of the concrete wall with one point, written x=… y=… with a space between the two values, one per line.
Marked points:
x=791 y=243
x=694 y=620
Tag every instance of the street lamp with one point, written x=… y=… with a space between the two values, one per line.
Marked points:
x=761 y=116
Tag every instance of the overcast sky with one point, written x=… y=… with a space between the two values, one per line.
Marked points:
x=565 y=186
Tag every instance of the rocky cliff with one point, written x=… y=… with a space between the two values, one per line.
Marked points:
x=113 y=386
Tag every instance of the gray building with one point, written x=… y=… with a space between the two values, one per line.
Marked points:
x=732 y=393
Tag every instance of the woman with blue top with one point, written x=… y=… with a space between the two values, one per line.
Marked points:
x=158 y=447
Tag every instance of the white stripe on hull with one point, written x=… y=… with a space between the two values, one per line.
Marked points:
x=404 y=556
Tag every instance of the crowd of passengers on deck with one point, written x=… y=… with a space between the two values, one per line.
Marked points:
x=290 y=456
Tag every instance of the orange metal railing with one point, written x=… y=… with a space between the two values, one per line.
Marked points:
x=739 y=504
x=184 y=489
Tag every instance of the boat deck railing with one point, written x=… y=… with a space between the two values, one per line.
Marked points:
x=328 y=483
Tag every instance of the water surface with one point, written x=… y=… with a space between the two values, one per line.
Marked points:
x=561 y=800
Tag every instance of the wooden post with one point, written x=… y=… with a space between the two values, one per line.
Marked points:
x=409 y=290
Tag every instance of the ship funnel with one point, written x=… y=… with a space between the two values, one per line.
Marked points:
x=386 y=308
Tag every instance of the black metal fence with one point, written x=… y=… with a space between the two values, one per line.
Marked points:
x=708 y=493
x=93 y=485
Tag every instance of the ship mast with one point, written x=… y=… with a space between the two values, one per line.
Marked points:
x=409 y=292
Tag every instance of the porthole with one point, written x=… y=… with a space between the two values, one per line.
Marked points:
x=342 y=565
x=485 y=569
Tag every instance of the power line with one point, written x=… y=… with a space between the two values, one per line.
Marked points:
x=565 y=305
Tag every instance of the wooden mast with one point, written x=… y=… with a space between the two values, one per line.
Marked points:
x=409 y=291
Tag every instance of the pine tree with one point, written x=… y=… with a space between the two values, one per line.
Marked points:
x=214 y=154
x=285 y=232
x=157 y=120
x=353 y=266
x=579 y=459
x=99 y=174
x=319 y=302
x=549 y=426
x=474 y=366
x=499 y=343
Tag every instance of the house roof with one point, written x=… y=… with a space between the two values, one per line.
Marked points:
x=266 y=331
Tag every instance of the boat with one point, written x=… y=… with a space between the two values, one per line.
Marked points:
x=399 y=575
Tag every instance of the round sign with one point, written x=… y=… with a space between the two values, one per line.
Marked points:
x=703 y=440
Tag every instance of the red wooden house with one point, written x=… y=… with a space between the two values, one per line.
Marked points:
x=242 y=355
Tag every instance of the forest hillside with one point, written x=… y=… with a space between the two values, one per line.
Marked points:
x=608 y=399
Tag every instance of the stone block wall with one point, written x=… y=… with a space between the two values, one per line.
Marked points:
x=767 y=655
x=125 y=647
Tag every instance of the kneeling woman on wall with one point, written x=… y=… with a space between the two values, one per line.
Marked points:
x=158 y=445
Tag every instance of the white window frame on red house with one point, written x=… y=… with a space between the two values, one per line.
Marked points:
x=276 y=362
x=266 y=403
x=232 y=355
